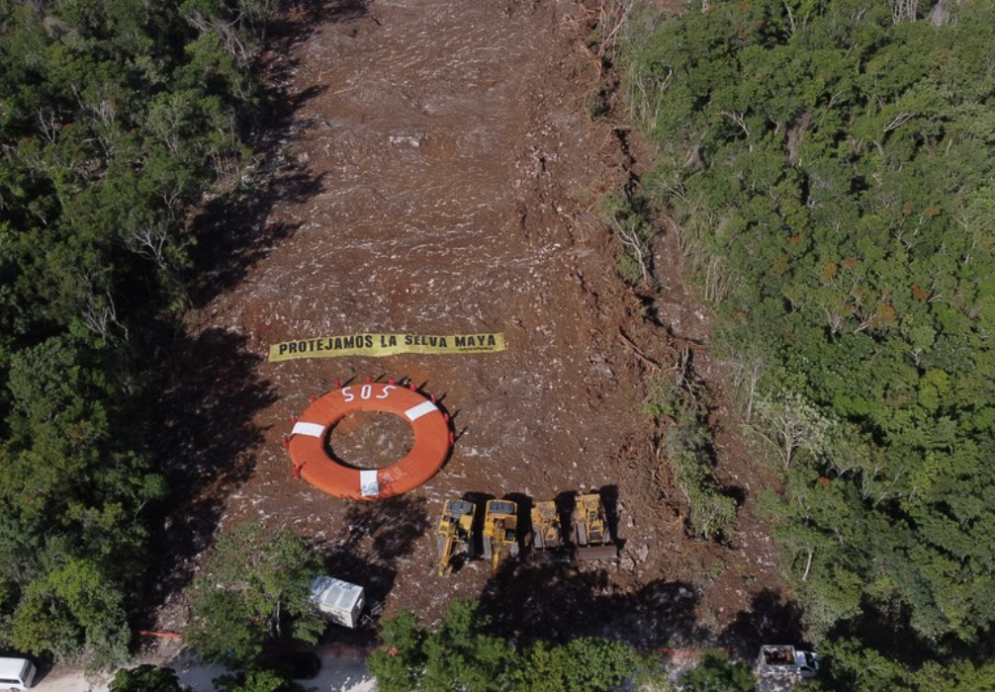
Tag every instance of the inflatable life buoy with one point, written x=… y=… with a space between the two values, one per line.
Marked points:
x=313 y=463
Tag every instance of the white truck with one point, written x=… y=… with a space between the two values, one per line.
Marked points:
x=339 y=601
x=784 y=661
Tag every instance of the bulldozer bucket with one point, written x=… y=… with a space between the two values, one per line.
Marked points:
x=560 y=556
x=581 y=534
x=597 y=552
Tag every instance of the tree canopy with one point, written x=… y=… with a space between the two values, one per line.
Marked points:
x=115 y=119
x=457 y=653
x=256 y=680
x=253 y=585
x=830 y=164
x=147 y=678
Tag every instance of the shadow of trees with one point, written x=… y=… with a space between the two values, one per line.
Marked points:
x=301 y=17
x=554 y=602
x=233 y=234
x=201 y=426
x=529 y=601
x=393 y=525
x=204 y=441
x=232 y=230
x=770 y=619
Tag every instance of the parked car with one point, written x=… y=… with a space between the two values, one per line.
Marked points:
x=16 y=673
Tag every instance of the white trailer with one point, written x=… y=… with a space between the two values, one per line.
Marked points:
x=339 y=601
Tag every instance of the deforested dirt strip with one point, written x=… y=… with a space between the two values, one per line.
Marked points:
x=441 y=175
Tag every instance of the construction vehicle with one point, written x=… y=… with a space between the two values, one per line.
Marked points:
x=548 y=540
x=594 y=541
x=455 y=532
x=787 y=661
x=500 y=532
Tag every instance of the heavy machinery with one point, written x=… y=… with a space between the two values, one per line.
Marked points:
x=455 y=532
x=787 y=661
x=500 y=532
x=594 y=541
x=549 y=542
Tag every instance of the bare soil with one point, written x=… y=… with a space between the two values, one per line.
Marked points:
x=434 y=168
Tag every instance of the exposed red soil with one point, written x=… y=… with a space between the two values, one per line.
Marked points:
x=439 y=173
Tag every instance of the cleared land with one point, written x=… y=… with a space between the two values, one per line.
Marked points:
x=438 y=171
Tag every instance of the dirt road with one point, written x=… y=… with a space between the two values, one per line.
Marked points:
x=340 y=672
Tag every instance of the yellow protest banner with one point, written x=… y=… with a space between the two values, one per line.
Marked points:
x=363 y=344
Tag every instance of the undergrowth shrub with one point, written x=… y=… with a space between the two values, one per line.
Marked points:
x=682 y=405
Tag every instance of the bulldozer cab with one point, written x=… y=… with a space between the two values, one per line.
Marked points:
x=501 y=507
x=457 y=513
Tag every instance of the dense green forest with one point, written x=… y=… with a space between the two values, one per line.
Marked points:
x=115 y=117
x=829 y=164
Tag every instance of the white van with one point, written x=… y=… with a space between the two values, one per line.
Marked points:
x=338 y=600
x=16 y=673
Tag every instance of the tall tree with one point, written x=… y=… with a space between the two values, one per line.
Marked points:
x=254 y=587
x=457 y=653
x=147 y=678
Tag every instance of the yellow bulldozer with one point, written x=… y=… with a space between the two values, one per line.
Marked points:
x=455 y=532
x=549 y=542
x=500 y=533
x=594 y=541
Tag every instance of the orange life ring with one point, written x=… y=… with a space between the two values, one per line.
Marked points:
x=313 y=463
